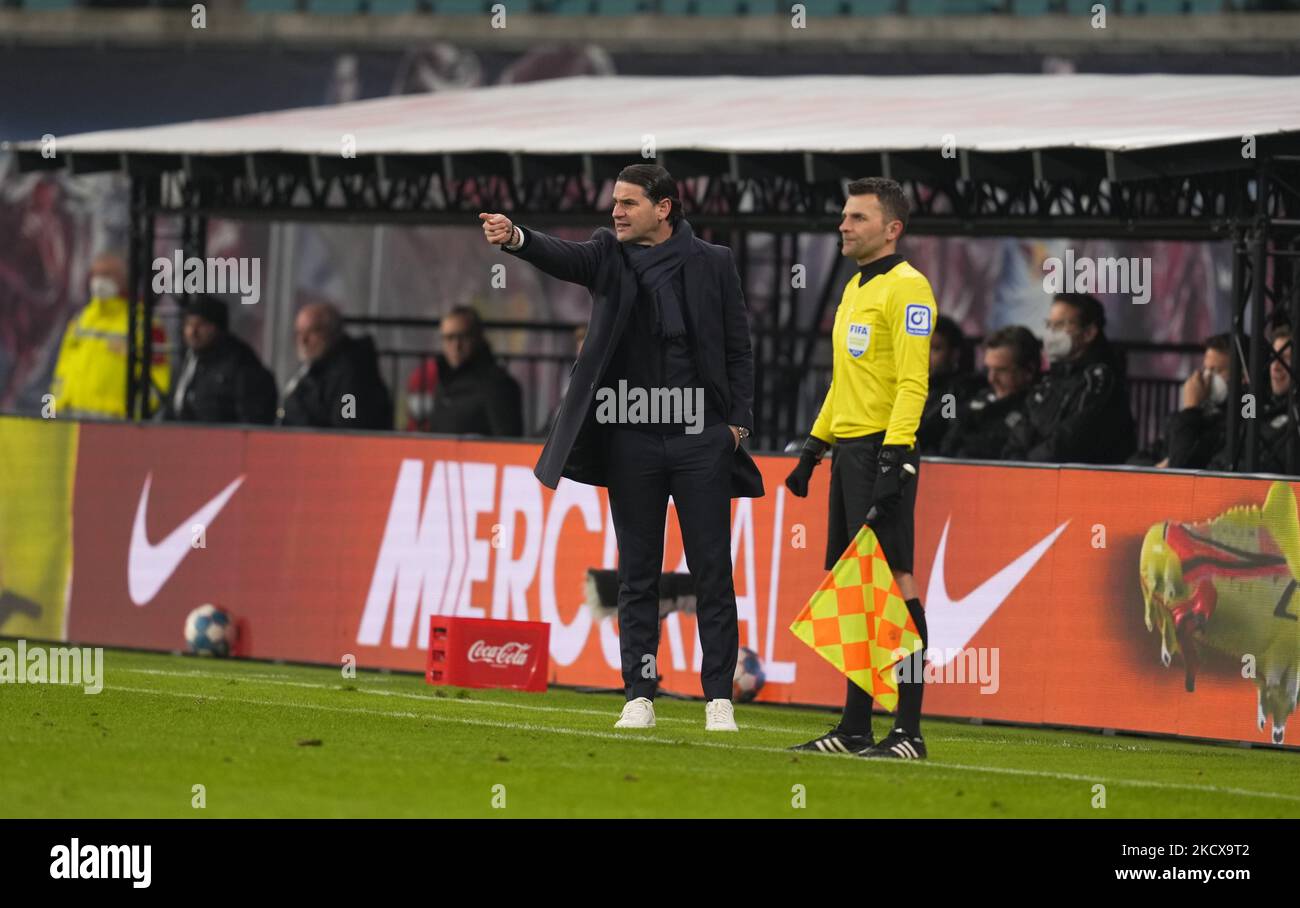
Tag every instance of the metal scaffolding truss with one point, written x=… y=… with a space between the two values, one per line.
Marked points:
x=1210 y=191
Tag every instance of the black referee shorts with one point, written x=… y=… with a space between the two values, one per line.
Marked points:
x=853 y=473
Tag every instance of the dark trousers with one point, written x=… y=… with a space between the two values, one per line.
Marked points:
x=644 y=469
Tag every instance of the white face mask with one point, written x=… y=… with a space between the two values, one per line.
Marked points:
x=1057 y=345
x=1218 y=389
x=104 y=288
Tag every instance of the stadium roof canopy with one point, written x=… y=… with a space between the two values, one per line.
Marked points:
x=1142 y=157
x=745 y=115
x=412 y=153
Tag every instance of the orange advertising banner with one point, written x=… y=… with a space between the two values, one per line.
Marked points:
x=1039 y=582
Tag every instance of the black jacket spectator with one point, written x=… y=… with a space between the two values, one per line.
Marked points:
x=984 y=426
x=479 y=398
x=964 y=387
x=316 y=395
x=1194 y=435
x=228 y=385
x=1274 y=427
x=1079 y=413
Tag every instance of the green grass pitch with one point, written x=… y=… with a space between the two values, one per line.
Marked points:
x=269 y=740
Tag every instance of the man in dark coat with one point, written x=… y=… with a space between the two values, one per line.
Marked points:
x=1012 y=360
x=338 y=384
x=1276 y=424
x=475 y=396
x=953 y=383
x=1079 y=413
x=222 y=380
x=668 y=316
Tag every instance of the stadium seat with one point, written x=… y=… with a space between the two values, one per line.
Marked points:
x=720 y=7
x=1084 y=7
x=953 y=7
x=569 y=7
x=1173 y=7
x=713 y=7
x=855 y=8
x=1031 y=7
x=460 y=7
x=818 y=8
x=873 y=7
x=271 y=6
x=48 y=5
x=393 y=7
x=621 y=7
x=334 y=7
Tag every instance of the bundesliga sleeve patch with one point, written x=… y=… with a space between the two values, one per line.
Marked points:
x=917 y=318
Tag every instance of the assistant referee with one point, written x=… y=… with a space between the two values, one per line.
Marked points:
x=879 y=383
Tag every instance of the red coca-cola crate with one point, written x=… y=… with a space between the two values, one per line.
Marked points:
x=482 y=652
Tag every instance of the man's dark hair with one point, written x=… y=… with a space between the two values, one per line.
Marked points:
x=1026 y=349
x=470 y=314
x=956 y=339
x=210 y=309
x=950 y=331
x=658 y=185
x=1219 y=343
x=890 y=194
x=1089 y=308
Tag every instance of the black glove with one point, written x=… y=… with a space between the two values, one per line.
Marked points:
x=892 y=476
x=814 y=449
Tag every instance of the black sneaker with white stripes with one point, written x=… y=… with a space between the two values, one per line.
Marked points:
x=897 y=745
x=837 y=742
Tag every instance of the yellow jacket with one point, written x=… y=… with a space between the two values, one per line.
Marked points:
x=90 y=375
x=881 y=355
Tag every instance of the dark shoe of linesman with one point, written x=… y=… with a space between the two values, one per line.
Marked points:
x=897 y=745
x=837 y=742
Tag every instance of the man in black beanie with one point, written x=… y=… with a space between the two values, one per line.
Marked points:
x=222 y=380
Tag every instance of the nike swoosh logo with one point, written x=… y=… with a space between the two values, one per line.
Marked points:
x=150 y=566
x=954 y=622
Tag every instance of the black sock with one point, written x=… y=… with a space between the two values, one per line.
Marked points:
x=912 y=668
x=857 y=711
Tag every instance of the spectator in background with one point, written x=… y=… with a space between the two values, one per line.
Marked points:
x=1198 y=429
x=1013 y=358
x=338 y=384
x=1079 y=413
x=419 y=395
x=579 y=335
x=953 y=382
x=222 y=380
x=90 y=374
x=475 y=396
x=1274 y=415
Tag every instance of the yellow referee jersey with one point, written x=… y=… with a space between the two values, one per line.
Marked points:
x=881 y=361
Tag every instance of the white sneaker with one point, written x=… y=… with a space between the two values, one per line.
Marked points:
x=719 y=717
x=638 y=713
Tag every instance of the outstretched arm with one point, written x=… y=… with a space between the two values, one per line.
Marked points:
x=564 y=259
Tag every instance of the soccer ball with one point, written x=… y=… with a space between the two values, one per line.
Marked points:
x=210 y=631
x=749 y=676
